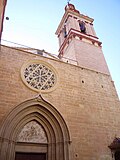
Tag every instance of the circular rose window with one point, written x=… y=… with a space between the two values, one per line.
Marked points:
x=39 y=76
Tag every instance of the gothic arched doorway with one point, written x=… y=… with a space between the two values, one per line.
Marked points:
x=34 y=128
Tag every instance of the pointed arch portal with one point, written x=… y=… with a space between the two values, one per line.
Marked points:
x=20 y=131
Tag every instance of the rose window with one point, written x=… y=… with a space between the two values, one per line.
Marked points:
x=39 y=76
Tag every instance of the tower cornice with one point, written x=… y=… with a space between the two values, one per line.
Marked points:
x=77 y=34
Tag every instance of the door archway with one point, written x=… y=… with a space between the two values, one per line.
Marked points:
x=37 y=110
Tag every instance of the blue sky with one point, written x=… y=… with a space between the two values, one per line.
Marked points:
x=33 y=23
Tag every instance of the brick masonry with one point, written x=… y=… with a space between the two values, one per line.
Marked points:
x=86 y=55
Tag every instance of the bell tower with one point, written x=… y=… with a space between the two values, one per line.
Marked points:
x=78 y=42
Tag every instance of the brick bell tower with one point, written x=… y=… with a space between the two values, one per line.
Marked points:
x=78 y=43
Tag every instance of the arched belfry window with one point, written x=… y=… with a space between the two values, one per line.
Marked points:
x=65 y=31
x=82 y=26
x=115 y=148
x=34 y=129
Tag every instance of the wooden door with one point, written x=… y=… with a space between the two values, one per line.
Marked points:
x=30 y=156
x=117 y=155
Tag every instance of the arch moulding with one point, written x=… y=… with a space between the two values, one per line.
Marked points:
x=37 y=109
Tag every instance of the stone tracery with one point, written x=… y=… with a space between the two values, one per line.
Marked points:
x=39 y=76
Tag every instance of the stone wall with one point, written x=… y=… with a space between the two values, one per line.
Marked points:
x=86 y=99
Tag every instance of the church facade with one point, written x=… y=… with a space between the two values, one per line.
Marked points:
x=59 y=108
